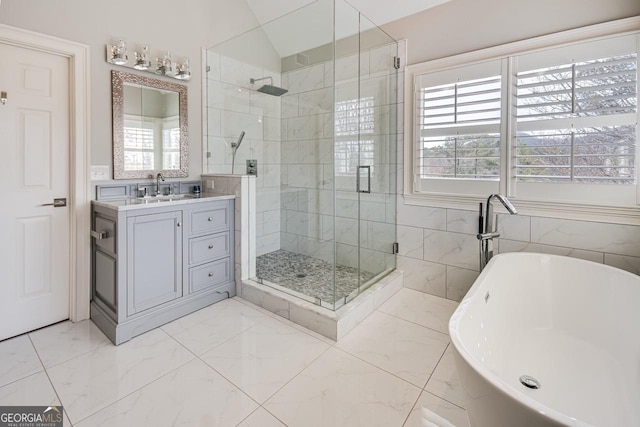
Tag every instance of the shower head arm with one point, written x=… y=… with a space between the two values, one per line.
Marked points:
x=252 y=81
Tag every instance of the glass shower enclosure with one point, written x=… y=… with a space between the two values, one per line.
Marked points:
x=316 y=94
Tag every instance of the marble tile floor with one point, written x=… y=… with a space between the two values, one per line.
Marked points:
x=309 y=276
x=235 y=364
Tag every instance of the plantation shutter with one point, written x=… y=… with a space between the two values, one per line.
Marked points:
x=458 y=127
x=576 y=120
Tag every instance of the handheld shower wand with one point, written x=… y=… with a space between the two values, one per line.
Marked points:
x=234 y=147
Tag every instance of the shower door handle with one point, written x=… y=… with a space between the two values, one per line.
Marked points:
x=358 y=186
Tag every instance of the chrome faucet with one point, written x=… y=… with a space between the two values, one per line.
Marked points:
x=158 y=178
x=487 y=231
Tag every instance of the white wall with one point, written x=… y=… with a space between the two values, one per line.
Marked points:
x=462 y=26
x=182 y=27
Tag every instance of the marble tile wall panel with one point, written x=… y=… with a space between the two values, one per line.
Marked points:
x=271 y=129
x=372 y=261
x=309 y=127
x=627 y=263
x=423 y=276
x=328 y=74
x=289 y=106
x=315 y=102
x=233 y=123
x=411 y=241
x=421 y=216
x=514 y=227
x=518 y=246
x=459 y=280
x=594 y=236
x=265 y=105
x=316 y=248
x=379 y=236
x=460 y=250
x=213 y=122
x=268 y=201
x=347 y=255
x=267 y=243
x=288 y=241
x=305 y=79
x=460 y=221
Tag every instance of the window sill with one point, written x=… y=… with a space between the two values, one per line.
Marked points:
x=572 y=211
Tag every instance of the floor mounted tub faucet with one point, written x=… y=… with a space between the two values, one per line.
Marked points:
x=487 y=231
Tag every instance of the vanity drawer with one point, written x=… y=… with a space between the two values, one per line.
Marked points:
x=209 y=275
x=212 y=219
x=107 y=226
x=209 y=248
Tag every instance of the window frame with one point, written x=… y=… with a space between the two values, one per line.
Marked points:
x=598 y=210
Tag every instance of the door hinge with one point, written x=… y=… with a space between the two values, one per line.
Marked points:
x=396 y=248
x=396 y=62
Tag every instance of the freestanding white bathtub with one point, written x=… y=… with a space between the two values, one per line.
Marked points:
x=572 y=325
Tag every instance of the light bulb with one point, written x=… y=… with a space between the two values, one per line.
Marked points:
x=142 y=59
x=119 y=53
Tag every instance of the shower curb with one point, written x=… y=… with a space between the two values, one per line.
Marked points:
x=331 y=324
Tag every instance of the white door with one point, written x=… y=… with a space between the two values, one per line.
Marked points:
x=34 y=170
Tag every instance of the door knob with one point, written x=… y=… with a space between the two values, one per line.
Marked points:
x=57 y=203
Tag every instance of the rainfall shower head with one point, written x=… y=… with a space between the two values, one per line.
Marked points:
x=269 y=89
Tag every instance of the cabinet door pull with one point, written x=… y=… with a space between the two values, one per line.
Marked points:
x=210 y=219
x=99 y=235
x=210 y=274
x=210 y=246
x=179 y=224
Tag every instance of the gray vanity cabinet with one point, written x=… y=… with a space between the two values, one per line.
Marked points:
x=152 y=264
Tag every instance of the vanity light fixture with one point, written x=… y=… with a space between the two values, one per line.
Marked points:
x=119 y=53
x=142 y=59
x=164 y=65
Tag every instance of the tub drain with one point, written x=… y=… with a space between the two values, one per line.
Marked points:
x=529 y=382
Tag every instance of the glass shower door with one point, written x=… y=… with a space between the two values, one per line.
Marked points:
x=377 y=153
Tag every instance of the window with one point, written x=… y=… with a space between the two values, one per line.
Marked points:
x=576 y=121
x=170 y=143
x=354 y=119
x=138 y=144
x=555 y=124
x=459 y=117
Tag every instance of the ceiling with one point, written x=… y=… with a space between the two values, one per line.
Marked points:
x=294 y=26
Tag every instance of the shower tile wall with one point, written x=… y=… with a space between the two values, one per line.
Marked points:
x=439 y=250
x=308 y=177
x=234 y=106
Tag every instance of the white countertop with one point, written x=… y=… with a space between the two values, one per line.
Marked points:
x=131 y=203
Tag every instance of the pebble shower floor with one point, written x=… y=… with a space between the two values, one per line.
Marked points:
x=307 y=275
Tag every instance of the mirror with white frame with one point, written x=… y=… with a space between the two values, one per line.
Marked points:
x=149 y=127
